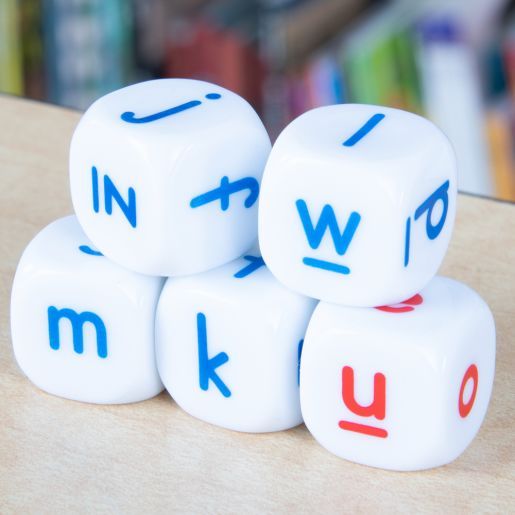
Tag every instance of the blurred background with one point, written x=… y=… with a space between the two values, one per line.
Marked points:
x=452 y=61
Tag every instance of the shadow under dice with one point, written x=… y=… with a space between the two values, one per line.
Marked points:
x=402 y=387
x=228 y=345
x=163 y=171
x=357 y=204
x=83 y=327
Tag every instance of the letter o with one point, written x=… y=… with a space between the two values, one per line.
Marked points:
x=465 y=408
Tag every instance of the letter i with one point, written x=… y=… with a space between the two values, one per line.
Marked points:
x=94 y=185
x=407 y=241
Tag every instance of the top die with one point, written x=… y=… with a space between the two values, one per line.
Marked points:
x=165 y=175
x=357 y=204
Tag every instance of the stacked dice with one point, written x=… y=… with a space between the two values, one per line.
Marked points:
x=357 y=209
x=159 y=280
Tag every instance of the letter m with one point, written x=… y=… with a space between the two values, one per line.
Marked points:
x=327 y=220
x=77 y=321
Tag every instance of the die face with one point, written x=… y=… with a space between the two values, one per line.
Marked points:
x=157 y=191
x=228 y=343
x=469 y=379
x=82 y=327
x=363 y=224
x=383 y=387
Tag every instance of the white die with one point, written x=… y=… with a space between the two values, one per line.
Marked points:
x=165 y=175
x=404 y=387
x=228 y=345
x=357 y=204
x=83 y=327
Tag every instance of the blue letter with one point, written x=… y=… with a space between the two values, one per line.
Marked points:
x=226 y=189
x=299 y=355
x=128 y=208
x=407 y=241
x=130 y=117
x=94 y=186
x=88 y=250
x=255 y=263
x=206 y=365
x=364 y=130
x=439 y=194
x=77 y=322
x=327 y=220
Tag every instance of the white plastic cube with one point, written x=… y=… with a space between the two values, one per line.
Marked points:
x=228 y=345
x=404 y=387
x=83 y=327
x=357 y=204
x=165 y=175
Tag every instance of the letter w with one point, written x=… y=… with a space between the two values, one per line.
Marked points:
x=77 y=321
x=327 y=220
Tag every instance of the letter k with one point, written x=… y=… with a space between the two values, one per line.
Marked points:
x=207 y=366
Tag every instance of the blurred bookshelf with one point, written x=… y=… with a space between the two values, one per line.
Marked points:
x=452 y=61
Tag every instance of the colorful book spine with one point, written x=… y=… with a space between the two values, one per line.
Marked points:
x=378 y=61
x=207 y=52
x=87 y=49
x=499 y=133
x=11 y=78
x=32 y=49
x=453 y=100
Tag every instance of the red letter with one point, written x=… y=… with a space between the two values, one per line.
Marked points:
x=471 y=373
x=376 y=408
x=404 y=306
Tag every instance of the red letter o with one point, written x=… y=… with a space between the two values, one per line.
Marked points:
x=471 y=373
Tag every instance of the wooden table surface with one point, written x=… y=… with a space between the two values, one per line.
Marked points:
x=60 y=456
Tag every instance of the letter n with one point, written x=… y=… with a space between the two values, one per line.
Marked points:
x=111 y=193
x=128 y=208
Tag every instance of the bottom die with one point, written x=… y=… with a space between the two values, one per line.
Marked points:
x=83 y=327
x=402 y=387
x=228 y=344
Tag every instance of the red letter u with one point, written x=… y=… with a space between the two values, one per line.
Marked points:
x=377 y=407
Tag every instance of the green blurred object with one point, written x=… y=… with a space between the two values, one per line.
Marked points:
x=10 y=51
